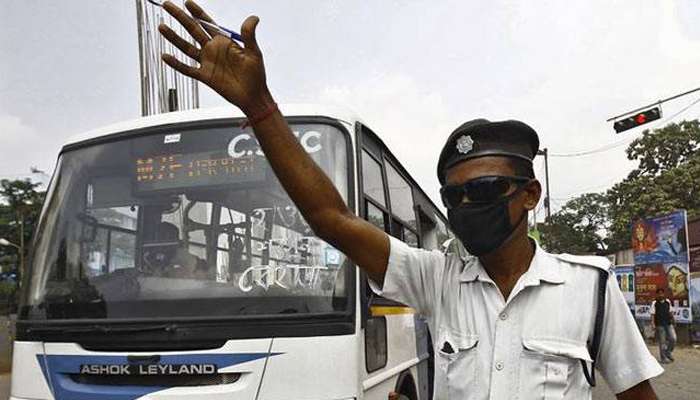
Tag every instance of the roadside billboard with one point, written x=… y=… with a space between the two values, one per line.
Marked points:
x=625 y=280
x=660 y=246
x=695 y=292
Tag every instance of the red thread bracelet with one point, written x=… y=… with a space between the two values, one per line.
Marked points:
x=271 y=108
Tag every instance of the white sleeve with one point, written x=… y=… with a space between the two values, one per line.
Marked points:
x=412 y=276
x=652 y=308
x=624 y=359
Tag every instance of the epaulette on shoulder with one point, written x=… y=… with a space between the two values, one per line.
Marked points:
x=591 y=261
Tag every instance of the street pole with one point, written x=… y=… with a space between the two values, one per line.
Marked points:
x=547 y=201
x=21 y=249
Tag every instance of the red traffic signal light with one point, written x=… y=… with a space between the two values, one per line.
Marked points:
x=635 y=120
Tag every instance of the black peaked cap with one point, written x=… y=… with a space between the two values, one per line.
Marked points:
x=481 y=137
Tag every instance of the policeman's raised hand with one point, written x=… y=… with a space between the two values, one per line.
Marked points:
x=235 y=72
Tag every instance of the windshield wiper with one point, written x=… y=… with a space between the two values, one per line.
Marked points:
x=105 y=329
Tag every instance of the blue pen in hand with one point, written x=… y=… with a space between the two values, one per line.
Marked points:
x=220 y=29
x=224 y=31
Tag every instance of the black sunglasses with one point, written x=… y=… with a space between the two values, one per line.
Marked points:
x=485 y=189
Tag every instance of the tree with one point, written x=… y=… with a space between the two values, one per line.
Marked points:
x=20 y=206
x=579 y=227
x=666 y=179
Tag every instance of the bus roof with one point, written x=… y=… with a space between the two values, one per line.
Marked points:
x=202 y=114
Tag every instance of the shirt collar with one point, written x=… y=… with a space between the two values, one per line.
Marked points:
x=543 y=267
x=473 y=270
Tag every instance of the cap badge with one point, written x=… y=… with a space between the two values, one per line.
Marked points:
x=465 y=144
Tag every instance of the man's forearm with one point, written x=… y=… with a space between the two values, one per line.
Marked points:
x=641 y=391
x=319 y=201
x=307 y=185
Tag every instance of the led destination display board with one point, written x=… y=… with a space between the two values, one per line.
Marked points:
x=213 y=168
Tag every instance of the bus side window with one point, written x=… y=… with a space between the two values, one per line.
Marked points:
x=375 y=343
x=403 y=221
x=375 y=215
x=373 y=179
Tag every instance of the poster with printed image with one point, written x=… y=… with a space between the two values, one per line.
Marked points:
x=625 y=280
x=660 y=239
x=695 y=292
x=673 y=278
x=660 y=247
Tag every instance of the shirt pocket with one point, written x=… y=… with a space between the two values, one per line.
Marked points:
x=456 y=365
x=547 y=365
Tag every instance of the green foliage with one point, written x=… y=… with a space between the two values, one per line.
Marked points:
x=579 y=227
x=665 y=149
x=8 y=297
x=20 y=206
x=667 y=178
x=7 y=290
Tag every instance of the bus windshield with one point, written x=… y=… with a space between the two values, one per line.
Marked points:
x=180 y=223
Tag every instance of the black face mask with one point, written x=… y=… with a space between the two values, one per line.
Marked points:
x=481 y=227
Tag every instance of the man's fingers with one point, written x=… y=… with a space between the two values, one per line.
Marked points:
x=182 y=44
x=198 y=13
x=186 y=21
x=248 y=33
x=181 y=67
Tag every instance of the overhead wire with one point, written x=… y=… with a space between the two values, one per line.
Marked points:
x=626 y=140
x=588 y=189
x=613 y=145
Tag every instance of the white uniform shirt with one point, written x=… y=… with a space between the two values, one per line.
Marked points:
x=528 y=346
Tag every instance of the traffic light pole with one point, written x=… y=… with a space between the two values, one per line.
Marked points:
x=653 y=104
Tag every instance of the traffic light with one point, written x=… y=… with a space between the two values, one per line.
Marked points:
x=635 y=120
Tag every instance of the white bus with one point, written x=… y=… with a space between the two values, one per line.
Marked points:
x=169 y=263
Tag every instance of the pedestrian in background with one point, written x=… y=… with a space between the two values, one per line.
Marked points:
x=662 y=321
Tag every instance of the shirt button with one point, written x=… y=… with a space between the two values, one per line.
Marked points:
x=499 y=365
x=503 y=316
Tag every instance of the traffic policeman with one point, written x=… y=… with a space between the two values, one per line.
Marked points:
x=510 y=320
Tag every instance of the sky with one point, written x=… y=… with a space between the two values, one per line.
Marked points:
x=413 y=70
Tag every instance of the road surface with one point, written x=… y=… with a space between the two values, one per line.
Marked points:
x=679 y=382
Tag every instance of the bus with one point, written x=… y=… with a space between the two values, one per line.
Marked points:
x=169 y=263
